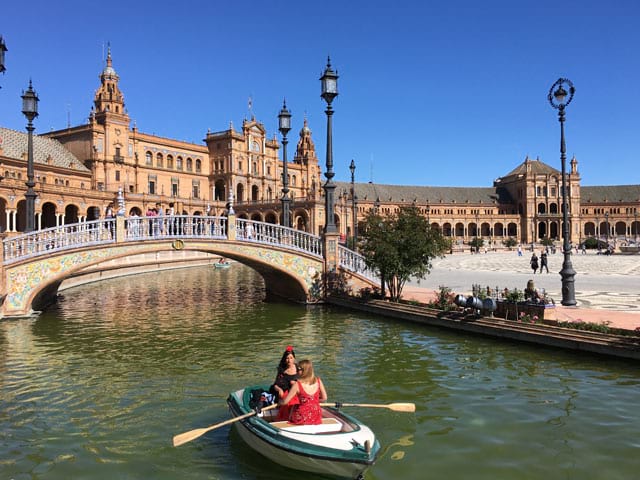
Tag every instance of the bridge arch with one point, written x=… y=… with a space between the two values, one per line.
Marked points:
x=290 y=261
x=34 y=285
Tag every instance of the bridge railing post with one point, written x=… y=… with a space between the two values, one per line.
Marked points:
x=231 y=227
x=330 y=253
x=120 y=230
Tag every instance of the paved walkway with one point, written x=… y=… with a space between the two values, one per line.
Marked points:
x=607 y=287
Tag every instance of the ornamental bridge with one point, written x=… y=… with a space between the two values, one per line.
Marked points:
x=294 y=264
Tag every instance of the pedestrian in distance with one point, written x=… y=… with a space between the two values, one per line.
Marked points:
x=543 y=261
x=534 y=263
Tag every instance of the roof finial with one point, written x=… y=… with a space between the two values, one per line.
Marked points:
x=108 y=54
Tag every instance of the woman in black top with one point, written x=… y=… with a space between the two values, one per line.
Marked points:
x=287 y=376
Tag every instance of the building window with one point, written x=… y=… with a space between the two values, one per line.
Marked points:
x=148 y=158
x=117 y=175
x=152 y=184
x=100 y=186
x=189 y=165
x=159 y=160
x=198 y=165
x=179 y=163
x=195 y=189
x=174 y=187
x=169 y=161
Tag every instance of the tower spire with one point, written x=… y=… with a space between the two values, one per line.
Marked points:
x=108 y=98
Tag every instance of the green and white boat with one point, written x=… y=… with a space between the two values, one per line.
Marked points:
x=340 y=446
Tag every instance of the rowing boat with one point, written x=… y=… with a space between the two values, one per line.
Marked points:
x=340 y=446
x=222 y=264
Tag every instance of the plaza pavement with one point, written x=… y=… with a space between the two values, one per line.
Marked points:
x=607 y=288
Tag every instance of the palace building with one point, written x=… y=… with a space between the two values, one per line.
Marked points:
x=79 y=171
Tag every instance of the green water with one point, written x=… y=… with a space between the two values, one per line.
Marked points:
x=96 y=388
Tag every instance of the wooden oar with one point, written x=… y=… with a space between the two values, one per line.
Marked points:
x=198 y=432
x=396 y=407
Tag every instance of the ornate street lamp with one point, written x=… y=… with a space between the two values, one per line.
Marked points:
x=354 y=202
x=3 y=48
x=606 y=235
x=329 y=90
x=477 y=220
x=635 y=225
x=560 y=99
x=284 y=125
x=30 y=111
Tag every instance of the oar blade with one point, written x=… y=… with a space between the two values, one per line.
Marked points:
x=402 y=407
x=188 y=436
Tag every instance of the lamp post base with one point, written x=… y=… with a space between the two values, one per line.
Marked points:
x=568 y=282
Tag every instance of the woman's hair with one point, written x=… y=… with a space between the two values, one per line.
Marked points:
x=306 y=372
x=282 y=366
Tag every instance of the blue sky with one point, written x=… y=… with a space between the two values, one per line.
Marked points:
x=450 y=93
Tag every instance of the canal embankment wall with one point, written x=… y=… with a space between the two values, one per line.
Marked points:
x=623 y=346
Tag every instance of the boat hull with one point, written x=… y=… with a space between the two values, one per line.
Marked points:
x=342 y=454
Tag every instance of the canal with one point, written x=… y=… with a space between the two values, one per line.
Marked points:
x=96 y=387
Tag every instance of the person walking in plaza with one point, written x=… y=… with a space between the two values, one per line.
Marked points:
x=543 y=261
x=534 y=263
x=519 y=250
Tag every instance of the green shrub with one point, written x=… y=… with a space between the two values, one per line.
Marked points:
x=510 y=242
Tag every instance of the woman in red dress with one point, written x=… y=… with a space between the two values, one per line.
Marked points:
x=310 y=393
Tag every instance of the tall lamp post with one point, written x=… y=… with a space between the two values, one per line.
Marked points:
x=284 y=125
x=354 y=202
x=635 y=225
x=30 y=111
x=560 y=99
x=606 y=222
x=329 y=90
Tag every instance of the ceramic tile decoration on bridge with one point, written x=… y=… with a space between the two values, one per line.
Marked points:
x=292 y=262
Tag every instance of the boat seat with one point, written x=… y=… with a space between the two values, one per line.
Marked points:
x=328 y=425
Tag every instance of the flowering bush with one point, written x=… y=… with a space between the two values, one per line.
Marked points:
x=444 y=300
x=528 y=318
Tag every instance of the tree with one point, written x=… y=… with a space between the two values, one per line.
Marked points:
x=400 y=246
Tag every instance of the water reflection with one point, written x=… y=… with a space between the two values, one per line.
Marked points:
x=98 y=386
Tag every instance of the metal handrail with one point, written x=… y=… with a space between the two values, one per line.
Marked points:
x=55 y=239
x=100 y=232
x=354 y=262
x=271 y=234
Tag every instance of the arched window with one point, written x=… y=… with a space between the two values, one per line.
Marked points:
x=189 y=165
x=148 y=158
x=198 y=165
x=179 y=163
x=159 y=160
x=169 y=161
